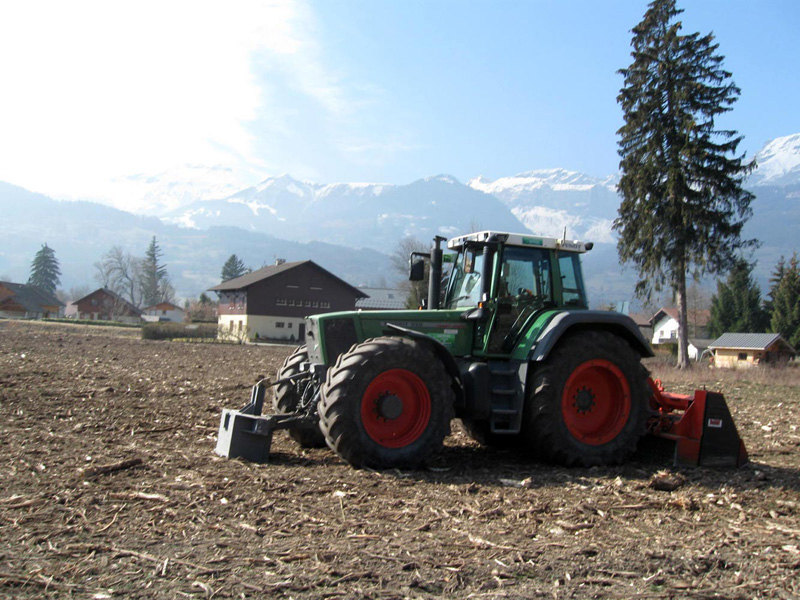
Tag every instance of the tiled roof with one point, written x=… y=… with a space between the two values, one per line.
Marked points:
x=30 y=297
x=382 y=298
x=249 y=279
x=747 y=341
x=116 y=297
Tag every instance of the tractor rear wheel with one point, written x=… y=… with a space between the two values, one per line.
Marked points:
x=289 y=395
x=589 y=401
x=386 y=403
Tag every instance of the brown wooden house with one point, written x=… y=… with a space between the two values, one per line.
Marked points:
x=104 y=305
x=23 y=301
x=271 y=303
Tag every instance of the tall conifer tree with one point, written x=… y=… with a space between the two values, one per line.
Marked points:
x=736 y=307
x=683 y=205
x=45 y=270
x=785 y=318
x=774 y=282
x=233 y=268
x=155 y=283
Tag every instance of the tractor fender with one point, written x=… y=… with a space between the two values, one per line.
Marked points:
x=440 y=350
x=578 y=320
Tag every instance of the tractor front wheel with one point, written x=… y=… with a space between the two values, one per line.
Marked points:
x=386 y=403
x=588 y=403
x=289 y=396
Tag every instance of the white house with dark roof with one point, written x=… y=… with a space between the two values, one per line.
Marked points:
x=163 y=311
x=742 y=350
x=665 y=325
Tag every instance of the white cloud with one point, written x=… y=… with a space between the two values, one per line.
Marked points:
x=97 y=89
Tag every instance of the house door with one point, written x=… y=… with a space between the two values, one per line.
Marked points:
x=301 y=332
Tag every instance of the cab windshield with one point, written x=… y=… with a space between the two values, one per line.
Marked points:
x=465 y=281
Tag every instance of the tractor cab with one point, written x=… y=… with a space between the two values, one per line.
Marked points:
x=503 y=281
x=507 y=267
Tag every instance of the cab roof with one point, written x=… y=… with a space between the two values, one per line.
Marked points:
x=525 y=240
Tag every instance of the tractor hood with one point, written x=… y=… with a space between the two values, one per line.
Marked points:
x=331 y=334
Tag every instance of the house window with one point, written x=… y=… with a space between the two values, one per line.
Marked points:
x=280 y=302
x=291 y=302
x=294 y=287
x=289 y=325
x=163 y=312
x=308 y=303
x=279 y=324
x=315 y=288
x=315 y=304
x=742 y=355
x=240 y=327
x=324 y=304
x=230 y=326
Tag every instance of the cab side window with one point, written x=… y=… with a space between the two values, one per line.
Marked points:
x=572 y=290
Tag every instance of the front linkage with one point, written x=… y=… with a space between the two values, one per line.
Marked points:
x=247 y=434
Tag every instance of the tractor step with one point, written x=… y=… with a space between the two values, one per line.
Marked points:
x=507 y=391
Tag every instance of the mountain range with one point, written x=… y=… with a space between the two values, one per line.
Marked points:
x=352 y=229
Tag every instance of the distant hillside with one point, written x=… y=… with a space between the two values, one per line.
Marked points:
x=81 y=232
x=352 y=228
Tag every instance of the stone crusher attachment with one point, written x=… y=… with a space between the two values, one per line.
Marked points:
x=703 y=431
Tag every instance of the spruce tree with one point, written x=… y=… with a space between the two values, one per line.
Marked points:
x=785 y=318
x=736 y=307
x=683 y=205
x=45 y=270
x=774 y=281
x=233 y=268
x=155 y=284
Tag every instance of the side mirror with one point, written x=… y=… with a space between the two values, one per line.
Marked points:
x=416 y=270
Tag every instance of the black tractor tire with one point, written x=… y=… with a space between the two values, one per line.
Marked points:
x=287 y=397
x=387 y=403
x=588 y=403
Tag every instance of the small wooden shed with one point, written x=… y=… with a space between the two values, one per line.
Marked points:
x=736 y=350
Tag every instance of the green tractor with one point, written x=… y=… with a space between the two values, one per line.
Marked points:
x=508 y=346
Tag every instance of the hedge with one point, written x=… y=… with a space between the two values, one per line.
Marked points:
x=183 y=331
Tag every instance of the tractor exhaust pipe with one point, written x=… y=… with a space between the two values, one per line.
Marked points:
x=435 y=277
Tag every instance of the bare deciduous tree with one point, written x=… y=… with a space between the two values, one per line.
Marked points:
x=416 y=291
x=120 y=272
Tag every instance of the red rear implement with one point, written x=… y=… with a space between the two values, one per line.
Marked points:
x=704 y=434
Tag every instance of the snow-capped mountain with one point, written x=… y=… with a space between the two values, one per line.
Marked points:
x=353 y=214
x=160 y=193
x=778 y=162
x=553 y=201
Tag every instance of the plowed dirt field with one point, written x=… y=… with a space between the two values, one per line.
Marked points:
x=110 y=488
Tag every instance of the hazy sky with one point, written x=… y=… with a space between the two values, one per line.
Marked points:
x=350 y=90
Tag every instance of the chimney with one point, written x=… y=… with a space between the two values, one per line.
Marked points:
x=279 y=261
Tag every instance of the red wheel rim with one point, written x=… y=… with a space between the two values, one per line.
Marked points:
x=396 y=408
x=596 y=402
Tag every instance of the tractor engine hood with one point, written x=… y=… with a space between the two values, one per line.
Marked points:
x=332 y=334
